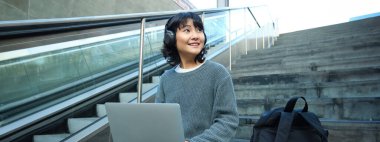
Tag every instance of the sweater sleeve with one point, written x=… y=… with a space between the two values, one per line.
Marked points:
x=226 y=119
x=160 y=97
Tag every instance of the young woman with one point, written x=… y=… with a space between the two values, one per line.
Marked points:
x=203 y=89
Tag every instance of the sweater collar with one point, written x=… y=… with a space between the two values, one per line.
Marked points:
x=178 y=69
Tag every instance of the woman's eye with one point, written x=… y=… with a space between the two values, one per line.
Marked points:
x=186 y=30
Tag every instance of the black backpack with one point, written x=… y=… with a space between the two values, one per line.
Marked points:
x=286 y=124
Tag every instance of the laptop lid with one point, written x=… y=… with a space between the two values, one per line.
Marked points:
x=145 y=122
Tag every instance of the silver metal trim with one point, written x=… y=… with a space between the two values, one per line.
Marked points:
x=256 y=37
x=69 y=44
x=268 y=33
x=229 y=39
x=245 y=32
x=262 y=36
x=141 y=63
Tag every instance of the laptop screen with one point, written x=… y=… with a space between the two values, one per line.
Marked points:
x=145 y=122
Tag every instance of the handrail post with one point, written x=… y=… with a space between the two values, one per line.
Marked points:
x=245 y=32
x=268 y=33
x=139 y=85
x=273 y=34
x=229 y=38
x=263 y=37
x=277 y=30
x=256 y=37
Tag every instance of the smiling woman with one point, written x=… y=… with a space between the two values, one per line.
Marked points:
x=203 y=89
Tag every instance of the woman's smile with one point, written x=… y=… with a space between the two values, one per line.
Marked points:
x=194 y=44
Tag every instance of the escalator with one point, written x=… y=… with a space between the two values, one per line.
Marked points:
x=57 y=74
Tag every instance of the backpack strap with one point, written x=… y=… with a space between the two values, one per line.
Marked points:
x=292 y=102
x=284 y=126
x=286 y=119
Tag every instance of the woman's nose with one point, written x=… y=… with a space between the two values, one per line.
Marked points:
x=195 y=36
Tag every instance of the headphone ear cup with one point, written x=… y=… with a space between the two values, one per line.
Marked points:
x=169 y=37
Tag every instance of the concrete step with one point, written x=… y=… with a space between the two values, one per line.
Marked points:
x=351 y=131
x=156 y=79
x=101 y=110
x=308 y=60
x=342 y=39
x=75 y=124
x=358 y=108
x=309 y=55
x=127 y=97
x=275 y=68
x=317 y=90
x=332 y=56
x=309 y=50
x=308 y=63
x=332 y=31
x=347 y=131
x=361 y=74
x=148 y=86
x=345 y=45
x=335 y=55
x=355 y=37
x=49 y=138
x=320 y=34
x=336 y=30
x=239 y=140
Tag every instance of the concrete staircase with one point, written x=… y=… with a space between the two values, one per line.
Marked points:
x=336 y=68
x=76 y=124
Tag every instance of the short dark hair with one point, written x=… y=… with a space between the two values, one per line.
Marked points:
x=169 y=50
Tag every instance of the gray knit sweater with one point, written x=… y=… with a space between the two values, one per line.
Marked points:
x=207 y=100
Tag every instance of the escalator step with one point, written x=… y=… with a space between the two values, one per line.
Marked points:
x=75 y=124
x=50 y=138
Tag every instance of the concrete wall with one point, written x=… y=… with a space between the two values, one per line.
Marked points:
x=44 y=9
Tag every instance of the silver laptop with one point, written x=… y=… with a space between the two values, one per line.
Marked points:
x=145 y=122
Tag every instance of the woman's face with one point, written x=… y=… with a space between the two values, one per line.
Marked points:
x=190 y=40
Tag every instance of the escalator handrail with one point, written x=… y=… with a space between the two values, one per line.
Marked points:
x=24 y=28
